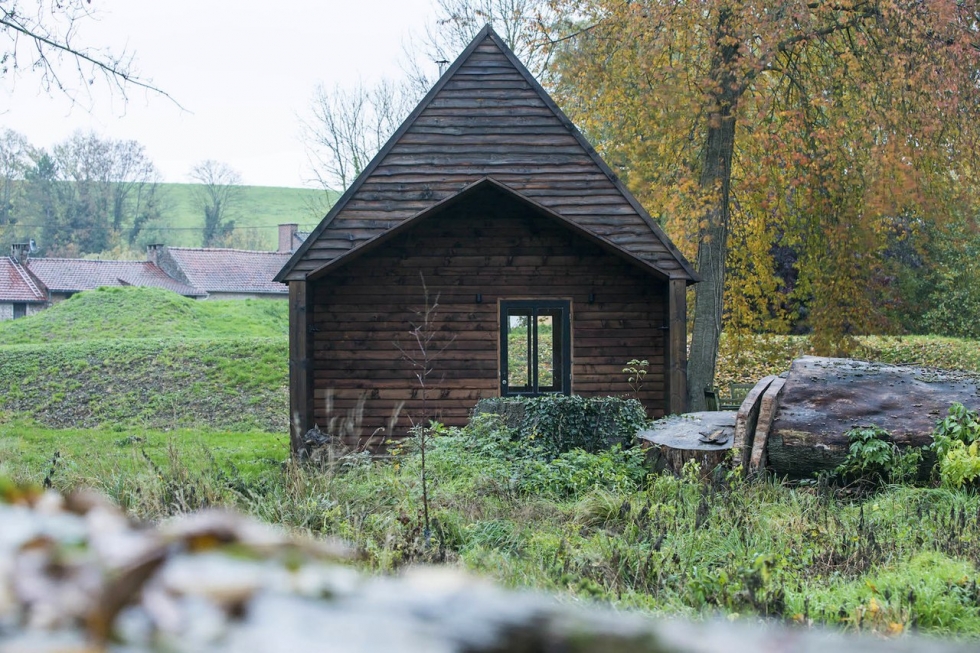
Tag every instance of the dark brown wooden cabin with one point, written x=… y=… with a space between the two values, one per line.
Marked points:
x=490 y=209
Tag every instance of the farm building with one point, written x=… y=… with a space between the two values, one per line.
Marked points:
x=488 y=226
x=29 y=285
x=222 y=273
x=219 y=273
x=19 y=293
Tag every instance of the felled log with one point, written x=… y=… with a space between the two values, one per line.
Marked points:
x=704 y=437
x=823 y=398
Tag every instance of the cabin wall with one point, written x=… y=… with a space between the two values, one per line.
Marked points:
x=364 y=312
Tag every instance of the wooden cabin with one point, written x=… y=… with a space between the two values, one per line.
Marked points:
x=488 y=212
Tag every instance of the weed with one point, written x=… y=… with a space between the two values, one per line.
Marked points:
x=636 y=371
x=872 y=458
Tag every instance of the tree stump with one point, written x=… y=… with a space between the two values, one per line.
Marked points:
x=823 y=398
x=705 y=437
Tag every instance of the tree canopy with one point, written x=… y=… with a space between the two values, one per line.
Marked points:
x=794 y=147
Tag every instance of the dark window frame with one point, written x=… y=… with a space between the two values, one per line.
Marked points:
x=561 y=340
x=22 y=312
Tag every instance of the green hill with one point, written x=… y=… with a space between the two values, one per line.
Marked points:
x=131 y=312
x=259 y=210
x=149 y=357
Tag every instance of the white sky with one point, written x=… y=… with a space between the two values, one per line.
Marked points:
x=245 y=71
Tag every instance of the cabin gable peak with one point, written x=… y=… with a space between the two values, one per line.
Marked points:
x=487 y=118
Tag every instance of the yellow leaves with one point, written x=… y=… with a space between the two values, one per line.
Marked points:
x=895 y=629
x=833 y=140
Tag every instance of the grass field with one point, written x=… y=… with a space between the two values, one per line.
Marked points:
x=148 y=357
x=168 y=405
x=257 y=213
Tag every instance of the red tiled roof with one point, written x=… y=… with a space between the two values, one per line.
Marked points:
x=74 y=275
x=16 y=284
x=230 y=270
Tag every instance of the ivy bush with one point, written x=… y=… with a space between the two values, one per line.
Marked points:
x=558 y=424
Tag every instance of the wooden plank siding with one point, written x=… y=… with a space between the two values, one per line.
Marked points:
x=494 y=246
x=487 y=119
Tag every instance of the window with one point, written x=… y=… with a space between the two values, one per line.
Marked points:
x=535 y=347
x=20 y=310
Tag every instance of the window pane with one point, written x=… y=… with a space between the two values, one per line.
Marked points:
x=518 y=351
x=546 y=352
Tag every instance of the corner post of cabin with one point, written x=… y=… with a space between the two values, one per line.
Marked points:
x=677 y=346
x=300 y=363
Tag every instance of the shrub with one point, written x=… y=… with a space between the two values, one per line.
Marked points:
x=487 y=456
x=873 y=458
x=955 y=442
x=576 y=472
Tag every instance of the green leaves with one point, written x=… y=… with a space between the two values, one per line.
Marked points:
x=955 y=442
x=873 y=458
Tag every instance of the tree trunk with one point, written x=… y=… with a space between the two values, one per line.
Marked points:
x=715 y=182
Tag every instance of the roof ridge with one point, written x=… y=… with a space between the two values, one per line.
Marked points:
x=86 y=260
x=226 y=249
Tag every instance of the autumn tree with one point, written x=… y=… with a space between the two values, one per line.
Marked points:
x=218 y=193
x=811 y=126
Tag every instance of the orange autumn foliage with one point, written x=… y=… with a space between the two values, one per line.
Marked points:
x=848 y=120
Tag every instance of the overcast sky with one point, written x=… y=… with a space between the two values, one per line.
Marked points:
x=244 y=70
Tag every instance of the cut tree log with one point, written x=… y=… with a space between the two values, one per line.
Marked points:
x=705 y=437
x=825 y=397
x=767 y=413
x=745 y=421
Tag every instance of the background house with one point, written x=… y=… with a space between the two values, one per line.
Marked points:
x=20 y=295
x=488 y=212
x=28 y=285
x=222 y=273
x=63 y=277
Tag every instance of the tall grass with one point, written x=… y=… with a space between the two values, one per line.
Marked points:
x=903 y=558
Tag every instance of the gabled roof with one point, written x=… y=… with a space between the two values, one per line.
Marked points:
x=230 y=270
x=487 y=117
x=75 y=275
x=16 y=285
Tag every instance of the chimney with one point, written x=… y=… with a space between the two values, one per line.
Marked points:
x=153 y=253
x=20 y=252
x=286 y=234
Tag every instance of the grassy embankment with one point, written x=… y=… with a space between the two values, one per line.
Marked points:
x=175 y=404
x=124 y=365
x=257 y=212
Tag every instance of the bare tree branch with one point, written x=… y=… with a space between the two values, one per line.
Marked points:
x=347 y=127
x=50 y=29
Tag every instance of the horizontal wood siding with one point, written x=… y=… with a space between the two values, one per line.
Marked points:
x=487 y=121
x=487 y=244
